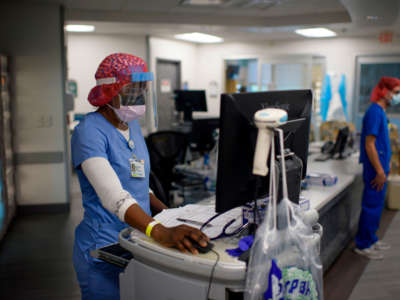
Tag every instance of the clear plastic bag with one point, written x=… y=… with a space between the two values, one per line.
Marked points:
x=284 y=259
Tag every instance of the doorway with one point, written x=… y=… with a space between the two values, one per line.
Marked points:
x=168 y=80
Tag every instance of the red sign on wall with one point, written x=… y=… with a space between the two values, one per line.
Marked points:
x=386 y=37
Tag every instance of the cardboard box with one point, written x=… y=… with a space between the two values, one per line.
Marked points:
x=393 y=193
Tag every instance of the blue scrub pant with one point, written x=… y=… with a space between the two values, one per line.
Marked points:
x=98 y=280
x=371 y=210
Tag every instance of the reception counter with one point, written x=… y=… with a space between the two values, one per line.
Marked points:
x=339 y=205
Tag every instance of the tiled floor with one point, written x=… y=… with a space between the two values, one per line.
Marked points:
x=381 y=279
x=36 y=255
x=36 y=261
x=344 y=276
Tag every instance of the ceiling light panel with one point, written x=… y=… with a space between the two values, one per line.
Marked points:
x=262 y=4
x=197 y=37
x=316 y=32
x=79 y=28
x=202 y=2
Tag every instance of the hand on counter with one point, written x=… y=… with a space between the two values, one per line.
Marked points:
x=179 y=237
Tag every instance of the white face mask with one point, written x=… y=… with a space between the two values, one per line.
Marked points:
x=395 y=99
x=129 y=113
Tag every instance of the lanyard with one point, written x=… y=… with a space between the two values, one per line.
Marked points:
x=131 y=145
x=137 y=166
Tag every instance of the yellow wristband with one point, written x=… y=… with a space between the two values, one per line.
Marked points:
x=150 y=226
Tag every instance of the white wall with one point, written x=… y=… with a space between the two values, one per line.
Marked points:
x=202 y=64
x=31 y=35
x=340 y=56
x=86 y=51
x=211 y=67
x=184 y=52
x=187 y=54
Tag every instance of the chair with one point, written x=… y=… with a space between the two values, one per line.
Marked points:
x=166 y=150
x=202 y=137
x=158 y=189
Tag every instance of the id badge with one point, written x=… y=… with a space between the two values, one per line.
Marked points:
x=137 y=168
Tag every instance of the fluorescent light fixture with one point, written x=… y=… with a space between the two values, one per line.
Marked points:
x=315 y=32
x=79 y=28
x=202 y=2
x=197 y=37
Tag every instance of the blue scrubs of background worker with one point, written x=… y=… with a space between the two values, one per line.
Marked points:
x=111 y=159
x=375 y=154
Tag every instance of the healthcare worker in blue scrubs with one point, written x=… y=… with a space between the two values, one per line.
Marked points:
x=375 y=154
x=111 y=159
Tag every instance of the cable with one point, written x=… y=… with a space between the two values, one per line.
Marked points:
x=255 y=208
x=212 y=274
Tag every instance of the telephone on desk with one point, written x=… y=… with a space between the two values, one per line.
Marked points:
x=326 y=151
x=330 y=149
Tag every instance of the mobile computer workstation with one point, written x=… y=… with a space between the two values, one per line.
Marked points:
x=156 y=272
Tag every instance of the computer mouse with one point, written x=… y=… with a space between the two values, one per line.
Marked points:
x=200 y=248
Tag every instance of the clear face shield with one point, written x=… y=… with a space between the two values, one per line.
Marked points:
x=135 y=93
x=139 y=95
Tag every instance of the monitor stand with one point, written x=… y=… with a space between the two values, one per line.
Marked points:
x=187 y=114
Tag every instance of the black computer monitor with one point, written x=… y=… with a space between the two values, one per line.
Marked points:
x=202 y=137
x=189 y=101
x=341 y=142
x=236 y=183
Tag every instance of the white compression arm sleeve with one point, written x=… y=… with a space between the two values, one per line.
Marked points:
x=107 y=186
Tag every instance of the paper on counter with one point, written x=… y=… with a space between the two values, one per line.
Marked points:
x=168 y=217
x=200 y=213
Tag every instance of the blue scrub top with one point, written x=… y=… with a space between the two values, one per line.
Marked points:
x=96 y=137
x=375 y=123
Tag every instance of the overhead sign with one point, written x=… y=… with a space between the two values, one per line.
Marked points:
x=386 y=37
